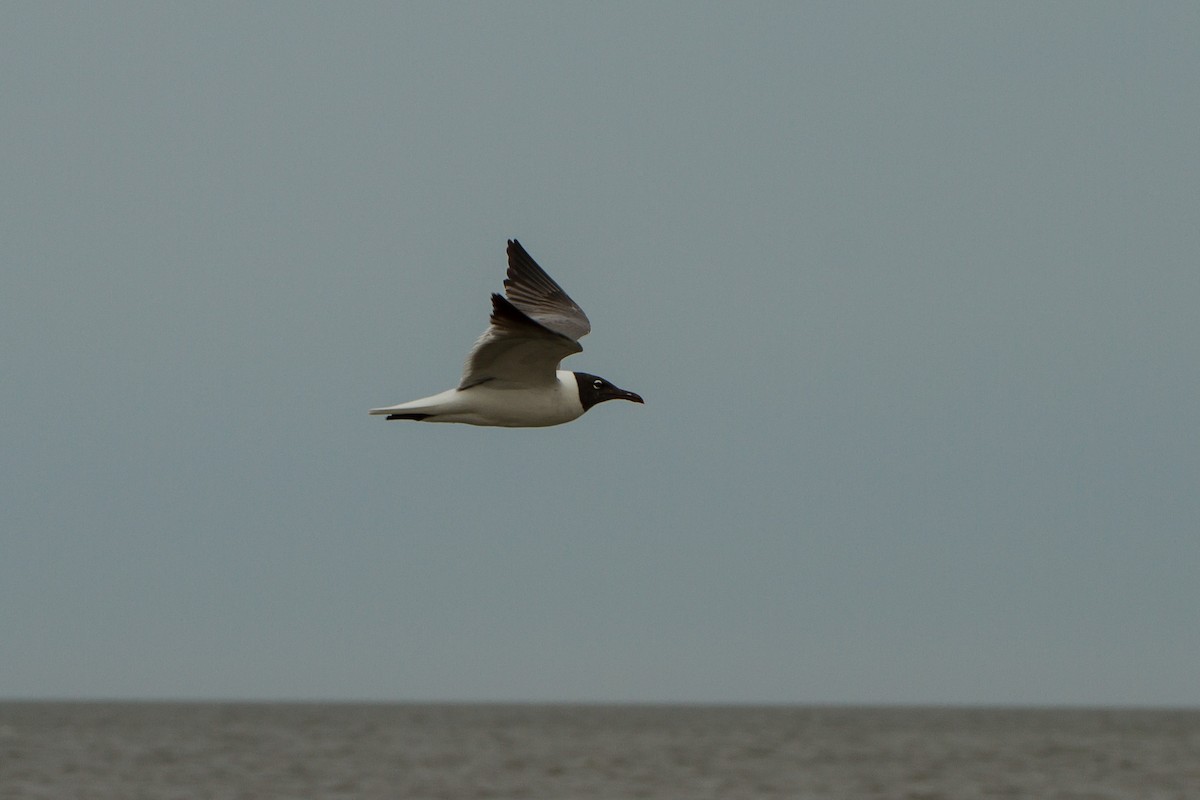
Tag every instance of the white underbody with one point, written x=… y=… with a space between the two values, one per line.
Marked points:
x=501 y=403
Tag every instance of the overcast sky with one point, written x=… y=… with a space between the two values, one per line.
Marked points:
x=910 y=290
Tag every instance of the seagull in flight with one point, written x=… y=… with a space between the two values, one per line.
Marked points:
x=512 y=378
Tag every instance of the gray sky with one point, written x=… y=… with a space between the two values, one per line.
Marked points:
x=910 y=291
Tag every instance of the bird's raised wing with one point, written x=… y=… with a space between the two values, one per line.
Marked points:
x=531 y=330
x=537 y=296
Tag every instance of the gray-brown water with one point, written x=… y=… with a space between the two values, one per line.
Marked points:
x=91 y=751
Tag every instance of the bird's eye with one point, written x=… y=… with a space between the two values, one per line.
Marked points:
x=596 y=384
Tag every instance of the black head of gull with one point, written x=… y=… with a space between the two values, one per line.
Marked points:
x=594 y=389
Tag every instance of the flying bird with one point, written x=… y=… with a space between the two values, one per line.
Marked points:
x=511 y=378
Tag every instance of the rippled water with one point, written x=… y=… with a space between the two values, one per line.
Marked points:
x=159 y=750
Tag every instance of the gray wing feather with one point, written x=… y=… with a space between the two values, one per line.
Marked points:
x=536 y=294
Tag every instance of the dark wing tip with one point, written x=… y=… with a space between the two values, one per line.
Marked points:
x=522 y=268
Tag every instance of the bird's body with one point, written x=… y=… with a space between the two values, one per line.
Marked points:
x=497 y=403
x=511 y=377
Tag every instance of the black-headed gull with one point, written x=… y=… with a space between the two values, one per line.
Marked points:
x=512 y=377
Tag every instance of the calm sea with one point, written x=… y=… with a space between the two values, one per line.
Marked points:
x=91 y=751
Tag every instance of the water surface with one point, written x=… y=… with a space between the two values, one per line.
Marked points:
x=63 y=751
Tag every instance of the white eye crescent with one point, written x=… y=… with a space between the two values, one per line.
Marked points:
x=596 y=384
